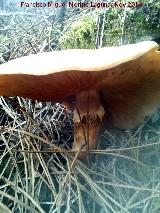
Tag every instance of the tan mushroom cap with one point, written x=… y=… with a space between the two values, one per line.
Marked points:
x=127 y=77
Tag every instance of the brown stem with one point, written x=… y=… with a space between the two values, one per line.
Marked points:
x=87 y=118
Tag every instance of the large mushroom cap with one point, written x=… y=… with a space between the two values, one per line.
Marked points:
x=127 y=77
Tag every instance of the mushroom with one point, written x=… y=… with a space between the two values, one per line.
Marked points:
x=123 y=82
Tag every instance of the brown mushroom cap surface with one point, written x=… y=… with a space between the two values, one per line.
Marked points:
x=126 y=77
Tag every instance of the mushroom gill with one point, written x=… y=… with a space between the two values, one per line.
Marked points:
x=122 y=81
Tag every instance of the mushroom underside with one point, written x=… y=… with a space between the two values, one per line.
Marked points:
x=122 y=81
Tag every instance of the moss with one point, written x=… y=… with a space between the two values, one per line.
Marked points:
x=82 y=34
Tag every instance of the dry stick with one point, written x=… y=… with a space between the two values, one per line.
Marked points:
x=85 y=139
x=99 y=137
x=123 y=23
x=61 y=151
x=87 y=142
x=98 y=151
x=100 y=31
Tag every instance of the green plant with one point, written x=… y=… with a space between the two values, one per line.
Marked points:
x=82 y=34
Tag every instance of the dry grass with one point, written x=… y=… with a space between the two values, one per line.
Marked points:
x=122 y=177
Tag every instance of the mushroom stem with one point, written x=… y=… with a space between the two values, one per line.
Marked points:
x=87 y=118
